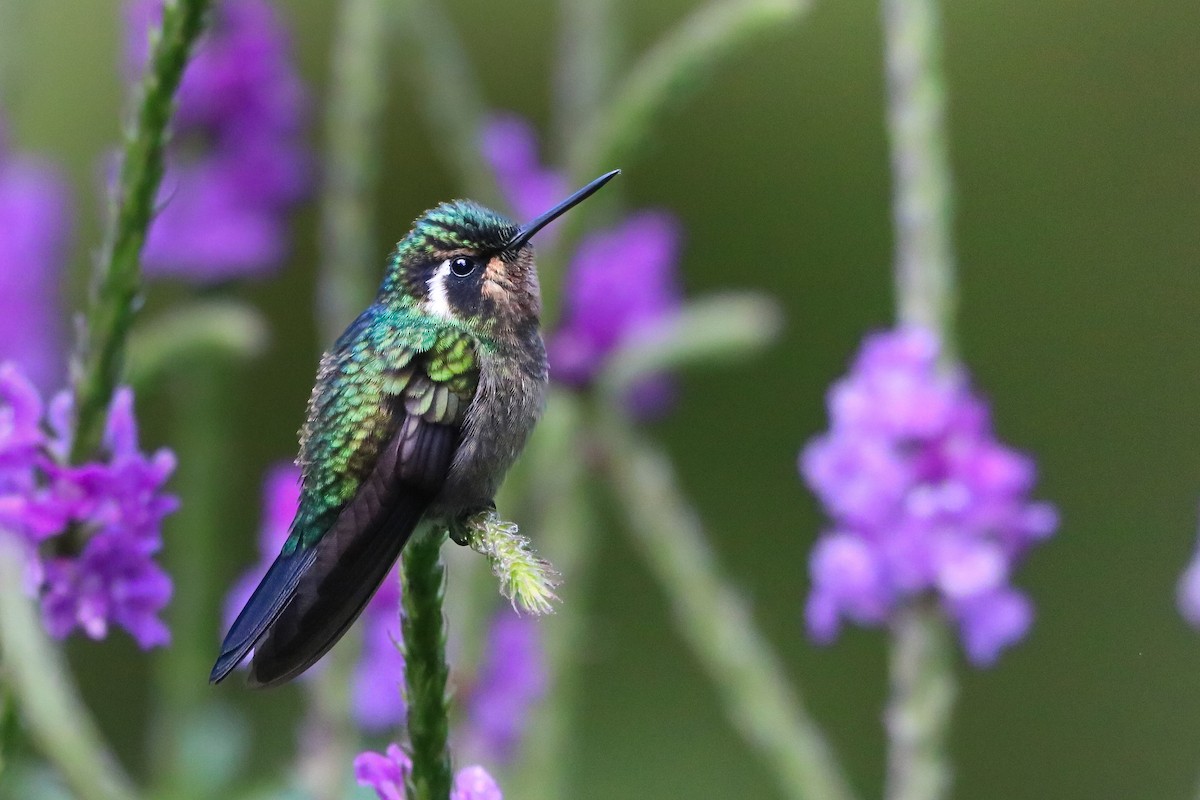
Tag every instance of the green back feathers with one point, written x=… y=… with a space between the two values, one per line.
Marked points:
x=392 y=361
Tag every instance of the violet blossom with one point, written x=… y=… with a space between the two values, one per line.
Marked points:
x=511 y=679
x=115 y=503
x=34 y=222
x=924 y=500
x=622 y=283
x=1187 y=591
x=385 y=773
x=236 y=164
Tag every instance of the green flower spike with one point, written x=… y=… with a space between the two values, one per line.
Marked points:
x=527 y=580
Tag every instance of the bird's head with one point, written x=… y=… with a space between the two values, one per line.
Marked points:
x=464 y=262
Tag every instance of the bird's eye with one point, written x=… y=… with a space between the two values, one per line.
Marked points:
x=462 y=266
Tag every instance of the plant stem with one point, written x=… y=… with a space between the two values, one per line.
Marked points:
x=714 y=620
x=585 y=65
x=563 y=525
x=451 y=98
x=922 y=185
x=201 y=331
x=661 y=80
x=349 y=264
x=922 y=671
x=425 y=669
x=668 y=73
x=5 y=707
x=328 y=737
x=11 y=16
x=49 y=702
x=118 y=270
x=922 y=699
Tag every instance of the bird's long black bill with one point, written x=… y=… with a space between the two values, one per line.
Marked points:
x=528 y=230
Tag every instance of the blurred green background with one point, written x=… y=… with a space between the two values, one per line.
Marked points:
x=1075 y=138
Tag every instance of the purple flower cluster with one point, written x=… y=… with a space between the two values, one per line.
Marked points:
x=924 y=500
x=34 y=223
x=117 y=503
x=378 y=681
x=511 y=679
x=375 y=691
x=385 y=774
x=622 y=283
x=281 y=496
x=237 y=163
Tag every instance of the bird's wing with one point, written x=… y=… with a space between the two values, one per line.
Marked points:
x=383 y=424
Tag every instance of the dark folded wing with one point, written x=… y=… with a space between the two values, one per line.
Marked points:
x=384 y=423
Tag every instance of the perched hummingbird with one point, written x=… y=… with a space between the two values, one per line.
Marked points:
x=419 y=410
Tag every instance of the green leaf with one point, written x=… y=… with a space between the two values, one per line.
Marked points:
x=711 y=330
x=671 y=72
x=451 y=99
x=214 y=329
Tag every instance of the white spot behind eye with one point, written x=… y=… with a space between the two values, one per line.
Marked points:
x=438 y=302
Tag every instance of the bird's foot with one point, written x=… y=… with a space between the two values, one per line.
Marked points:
x=460 y=526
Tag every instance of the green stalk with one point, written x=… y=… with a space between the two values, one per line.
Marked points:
x=118 y=270
x=586 y=54
x=672 y=71
x=329 y=735
x=669 y=73
x=206 y=330
x=922 y=665
x=11 y=13
x=5 y=708
x=714 y=620
x=49 y=702
x=563 y=525
x=349 y=263
x=922 y=205
x=922 y=699
x=450 y=95
x=423 y=628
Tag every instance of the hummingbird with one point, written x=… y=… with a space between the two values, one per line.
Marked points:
x=418 y=411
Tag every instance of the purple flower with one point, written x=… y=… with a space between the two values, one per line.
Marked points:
x=385 y=774
x=510 y=147
x=621 y=286
x=378 y=681
x=622 y=283
x=923 y=498
x=115 y=502
x=237 y=164
x=281 y=496
x=114 y=579
x=1187 y=592
x=511 y=679
x=33 y=248
x=474 y=783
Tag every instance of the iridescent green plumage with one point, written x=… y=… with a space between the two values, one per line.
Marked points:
x=418 y=411
x=392 y=362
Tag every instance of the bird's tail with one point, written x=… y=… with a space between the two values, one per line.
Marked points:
x=349 y=567
x=264 y=606
x=312 y=594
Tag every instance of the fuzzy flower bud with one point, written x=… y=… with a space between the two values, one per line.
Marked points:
x=527 y=580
